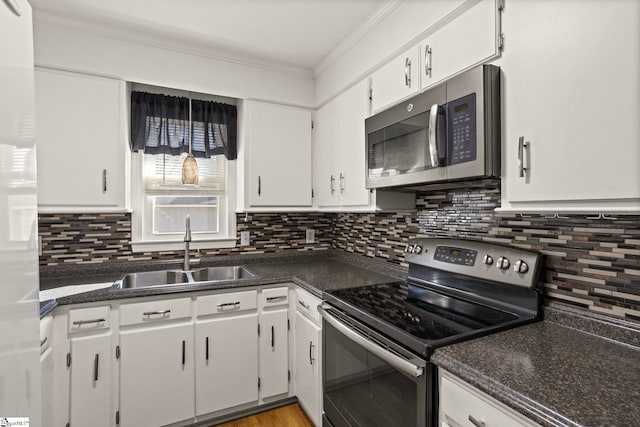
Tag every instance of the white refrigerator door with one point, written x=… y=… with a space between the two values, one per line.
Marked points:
x=19 y=307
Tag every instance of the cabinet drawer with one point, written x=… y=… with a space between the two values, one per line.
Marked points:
x=307 y=303
x=46 y=328
x=275 y=297
x=226 y=303
x=155 y=311
x=460 y=403
x=89 y=319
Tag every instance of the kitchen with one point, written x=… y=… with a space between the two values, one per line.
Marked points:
x=577 y=205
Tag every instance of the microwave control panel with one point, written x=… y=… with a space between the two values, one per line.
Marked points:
x=462 y=130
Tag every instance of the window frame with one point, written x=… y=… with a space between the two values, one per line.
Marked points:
x=142 y=241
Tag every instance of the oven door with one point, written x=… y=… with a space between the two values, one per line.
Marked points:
x=370 y=381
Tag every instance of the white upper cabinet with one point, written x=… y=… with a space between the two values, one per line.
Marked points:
x=396 y=80
x=571 y=79
x=80 y=134
x=340 y=150
x=278 y=155
x=470 y=39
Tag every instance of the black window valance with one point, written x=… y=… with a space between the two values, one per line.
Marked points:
x=160 y=125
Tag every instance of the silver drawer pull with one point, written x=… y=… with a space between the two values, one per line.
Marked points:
x=476 y=422
x=154 y=313
x=84 y=322
x=279 y=298
x=305 y=305
x=229 y=304
x=43 y=341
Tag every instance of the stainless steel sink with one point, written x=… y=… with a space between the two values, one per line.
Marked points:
x=221 y=273
x=176 y=277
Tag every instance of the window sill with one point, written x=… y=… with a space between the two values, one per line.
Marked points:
x=178 y=245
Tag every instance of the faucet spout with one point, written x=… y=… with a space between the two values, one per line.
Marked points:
x=187 y=240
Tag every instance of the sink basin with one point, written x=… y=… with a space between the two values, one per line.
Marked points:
x=176 y=277
x=221 y=273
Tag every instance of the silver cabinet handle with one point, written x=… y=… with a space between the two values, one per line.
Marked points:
x=104 y=180
x=159 y=312
x=433 y=145
x=206 y=351
x=229 y=304
x=427 y=61
x=392 y=359
x=184 y=350
x=259 y=185
x=332 y=181
x=342 y=177
x=407 y=72
x=278 y=298
x=43 y=341
x=311 y=358
x=305 y=305
x=476 y=422
x=522 y=146
x=96 y=362
x=84 y=322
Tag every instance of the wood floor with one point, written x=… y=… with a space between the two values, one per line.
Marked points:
x=285 y=416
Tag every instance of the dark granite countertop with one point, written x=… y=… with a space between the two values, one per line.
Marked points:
x=554 y=373
x=316 y=273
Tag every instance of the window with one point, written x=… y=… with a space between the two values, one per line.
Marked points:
x=160 y=200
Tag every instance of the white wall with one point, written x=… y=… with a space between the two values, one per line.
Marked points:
x=62 y=47
x=405 y=25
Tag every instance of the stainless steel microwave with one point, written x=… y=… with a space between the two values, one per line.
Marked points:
x=450 y=132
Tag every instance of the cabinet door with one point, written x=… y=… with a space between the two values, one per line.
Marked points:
x=274 y=354
x=575 y=110
x=308 y=359
x=279 y=155
x=468 y=40
x=326 y=154
x=226 y=362
x=396 y=80
x=156 y=376
x=46 y=387
x=353 y=108
x=90 y=394
x=81 y=148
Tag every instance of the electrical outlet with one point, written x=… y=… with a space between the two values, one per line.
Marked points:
x=311 y=235
x=245 y=238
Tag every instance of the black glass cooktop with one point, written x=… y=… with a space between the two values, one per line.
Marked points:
x=421 y=313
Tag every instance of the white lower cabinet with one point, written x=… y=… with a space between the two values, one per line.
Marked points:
x=46 y=372
x=308 y=372
x=274 y=343
x=226 y=351
x=463 y=405
x=156 y=375
x=90 y=393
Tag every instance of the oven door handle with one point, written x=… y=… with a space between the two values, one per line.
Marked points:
x=393 y=360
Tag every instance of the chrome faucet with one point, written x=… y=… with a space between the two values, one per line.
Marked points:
x=187 y=240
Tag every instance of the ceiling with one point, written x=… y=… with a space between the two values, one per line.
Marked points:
x=298 y=33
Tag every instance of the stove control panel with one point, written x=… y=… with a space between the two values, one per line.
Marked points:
x=455 y=255
x=489 y=261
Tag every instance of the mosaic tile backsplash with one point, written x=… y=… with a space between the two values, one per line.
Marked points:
x=593 y=264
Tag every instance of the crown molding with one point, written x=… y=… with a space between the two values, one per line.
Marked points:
x=384 y=10
x=188 y=46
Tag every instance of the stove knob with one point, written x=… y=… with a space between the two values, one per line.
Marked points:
x=409 y=249
x=488 y=259
x=503 y=263
x=415 y=320
x=520 y=266
x=417 y=249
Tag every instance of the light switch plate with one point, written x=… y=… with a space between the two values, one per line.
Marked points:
x=245 y=238
x=310 y=235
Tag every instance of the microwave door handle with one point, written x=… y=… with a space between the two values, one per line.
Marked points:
x=433 y=146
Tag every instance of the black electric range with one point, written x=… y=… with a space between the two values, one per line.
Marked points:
x=456 y=290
